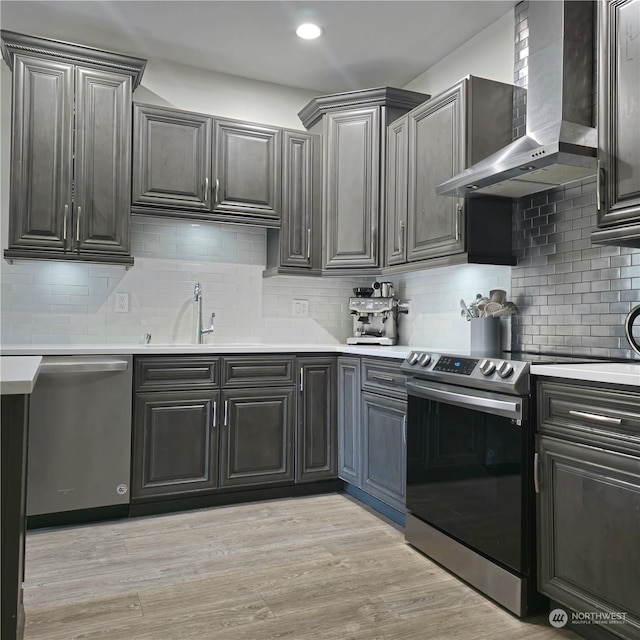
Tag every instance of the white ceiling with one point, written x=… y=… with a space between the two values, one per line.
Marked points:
x=367 y=43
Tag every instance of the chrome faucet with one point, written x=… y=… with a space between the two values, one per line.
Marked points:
x=199 y=332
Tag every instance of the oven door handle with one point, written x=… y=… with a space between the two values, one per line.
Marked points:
x=481 y=401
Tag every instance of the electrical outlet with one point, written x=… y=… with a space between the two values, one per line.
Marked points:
x=300 y=308
x=122 y=302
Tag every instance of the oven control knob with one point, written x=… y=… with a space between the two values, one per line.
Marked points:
x=424 y=359
x=487 y=367
x=413 y=357
x=504 y=369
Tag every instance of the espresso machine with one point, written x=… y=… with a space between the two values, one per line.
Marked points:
x=375 y=311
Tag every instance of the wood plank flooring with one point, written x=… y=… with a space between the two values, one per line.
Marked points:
x=313 y=568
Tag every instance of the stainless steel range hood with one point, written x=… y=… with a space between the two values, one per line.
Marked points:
x=560 y=145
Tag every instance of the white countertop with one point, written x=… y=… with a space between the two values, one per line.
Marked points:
x=399 y=352
x=18 y=374
x=621 y=373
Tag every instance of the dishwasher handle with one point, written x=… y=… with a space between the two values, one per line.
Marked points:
x=52 y=365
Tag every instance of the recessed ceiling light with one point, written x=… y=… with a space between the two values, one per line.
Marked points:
x=309 y=31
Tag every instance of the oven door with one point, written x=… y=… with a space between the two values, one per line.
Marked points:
x=466 y=468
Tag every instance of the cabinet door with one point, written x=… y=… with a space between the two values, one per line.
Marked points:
x=316 y=445
x=384 y=449
x=588 y=527
x=396 y=211
x=619 y=111
x=102 y=200
x=246 y=171
x=351 y=203
x=300 y=199
x=171 y=158
x=41 y=154
x=349 y=428
x=257 y=436
x=175 y=443
x=436 y=153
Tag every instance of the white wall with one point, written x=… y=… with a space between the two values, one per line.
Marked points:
x=488 y=55
x=175 y=85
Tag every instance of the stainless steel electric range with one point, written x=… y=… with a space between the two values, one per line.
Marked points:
x=470 y=485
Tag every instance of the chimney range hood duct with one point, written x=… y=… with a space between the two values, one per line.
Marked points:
x=560 y=145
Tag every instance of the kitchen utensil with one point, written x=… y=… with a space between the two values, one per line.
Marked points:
x=628 y=325
x=464 y=307
x=503 y=311
x=491 y=307
x=481 y=304
x=498 y=295
x=363 y=292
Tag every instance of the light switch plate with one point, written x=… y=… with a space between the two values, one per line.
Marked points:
x=300 y=308
x=122 y=302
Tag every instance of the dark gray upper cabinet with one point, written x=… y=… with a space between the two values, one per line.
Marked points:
x=296 y=247
x=588 y=481
x=396 y=209
x=351 y=223
x=192 y=165
x=246 y=170
x=316 y=455
x=257 y=436
x=71 y=150
x=443 y=136
x=353 y=126
x=172 y=158
x=618 y=191
x=102 y=162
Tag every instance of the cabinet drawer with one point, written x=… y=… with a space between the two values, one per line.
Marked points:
x=172 y=373
x=246 y=371
x=384 y=376
x=590 y=414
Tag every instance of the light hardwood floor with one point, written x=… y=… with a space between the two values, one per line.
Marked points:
x=314 y=568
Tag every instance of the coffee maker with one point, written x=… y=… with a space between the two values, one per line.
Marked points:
x=375 y=311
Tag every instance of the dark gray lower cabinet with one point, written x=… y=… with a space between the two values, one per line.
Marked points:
x=349 y=432
x=588 y=483
x=372 y=409
x=175 y=443
x=589 y=530
x=257 y=436
x=316 y=441
x=383 y=448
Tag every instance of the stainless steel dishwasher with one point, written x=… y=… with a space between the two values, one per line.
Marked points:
x=79 y=453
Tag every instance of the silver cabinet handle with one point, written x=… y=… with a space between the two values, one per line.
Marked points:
x=301 y=379
x=458 y=220
x=215 y=192
x=373 y=243
x=404 y=428
x=206 y=189
x=595 y=417
x=214 y=416
x=599 y=186
x=64 y=223
x=78 y=224
x=80 y=364
x=383 y=378
x=536 y=472
x=309 y=243
x=401 y=234
x=226 y=413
